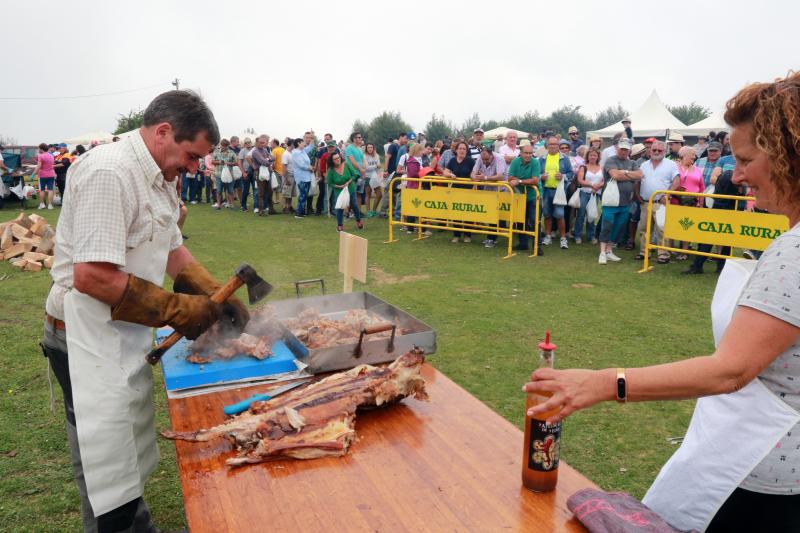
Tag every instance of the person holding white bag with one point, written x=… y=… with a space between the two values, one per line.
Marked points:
x=224 y=160
x=738 y=468
x=341 y=179
x=556 y=168
x=619 y=173
x=658 y=174
x=263 y=163
x=590 y=180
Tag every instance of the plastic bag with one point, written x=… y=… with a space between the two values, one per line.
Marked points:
x=561 y=194
x=28 y=191
x=343 y=201
x=273 y=180
x=592 y=213
x=611 y=194
x=237 y=173
x=226 y=176
x=263 y=173
x=575 y=200
x=709 y=201
x=314 y=189
x=660 y=215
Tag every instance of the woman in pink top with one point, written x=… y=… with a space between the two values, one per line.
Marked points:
x=690 y=180
x=47 y=176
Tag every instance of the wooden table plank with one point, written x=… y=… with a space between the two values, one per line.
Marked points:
x=451 y=464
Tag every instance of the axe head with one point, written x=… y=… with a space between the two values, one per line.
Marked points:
x=257 y=288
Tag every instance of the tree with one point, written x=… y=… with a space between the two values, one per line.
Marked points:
x=490 y=125
x=530 y=121
x=608 y=116
x=689 y=113
x=387 y=124
x=471 y=124
x=439 y=128
x=363 y=127
x=6 y=140
x=562 y=118
x=131 y=121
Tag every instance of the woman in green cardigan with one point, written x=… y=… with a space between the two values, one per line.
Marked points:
x=341 y=175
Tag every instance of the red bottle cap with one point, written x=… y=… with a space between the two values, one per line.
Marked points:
x=546 y=345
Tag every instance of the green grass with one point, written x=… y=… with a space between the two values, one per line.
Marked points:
x=489 y=314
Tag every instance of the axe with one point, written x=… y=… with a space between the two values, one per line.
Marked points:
x=257 y=289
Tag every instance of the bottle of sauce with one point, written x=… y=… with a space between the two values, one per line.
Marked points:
x=542 y=440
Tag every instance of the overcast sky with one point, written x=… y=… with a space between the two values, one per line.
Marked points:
x=284 y=67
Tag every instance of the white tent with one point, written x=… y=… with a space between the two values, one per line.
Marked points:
x=714 y=122
x=89 y=136
x=502 y=130
x=652 y=119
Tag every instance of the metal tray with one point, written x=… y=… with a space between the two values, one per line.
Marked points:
x=345 y=356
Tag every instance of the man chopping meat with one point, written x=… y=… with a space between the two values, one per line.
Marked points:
x=116 y=238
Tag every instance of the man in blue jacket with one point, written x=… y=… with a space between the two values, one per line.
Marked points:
x=556 y=167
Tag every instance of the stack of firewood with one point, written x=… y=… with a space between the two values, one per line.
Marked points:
x=27 y=242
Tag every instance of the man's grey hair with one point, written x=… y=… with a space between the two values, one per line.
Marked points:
x=658 y=143
x=263 y=136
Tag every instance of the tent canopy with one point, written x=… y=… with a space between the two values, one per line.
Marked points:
x=502 y=130
x=652 y=119
x=714 y=122
x=89 y=136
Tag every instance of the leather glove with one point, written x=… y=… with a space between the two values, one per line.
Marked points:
x=195 y=279
x=148 y=304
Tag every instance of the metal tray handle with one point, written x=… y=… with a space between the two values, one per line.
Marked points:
x=358 y=352
x=308 y=282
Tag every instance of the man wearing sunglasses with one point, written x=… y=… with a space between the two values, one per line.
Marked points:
x=575 y=141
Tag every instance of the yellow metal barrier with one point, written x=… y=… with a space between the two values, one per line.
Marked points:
x=481 y=215
x=732 y=228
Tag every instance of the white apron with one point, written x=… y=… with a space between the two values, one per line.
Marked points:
x=112 y=385
x=728 y=436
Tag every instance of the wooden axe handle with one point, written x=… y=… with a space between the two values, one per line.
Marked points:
x=222 y=294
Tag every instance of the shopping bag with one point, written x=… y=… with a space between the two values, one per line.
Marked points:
x=263 y=173
x=237 y=173
x=709 y=200
x=226 y=176
x=343 y=201
x=273 y=180
x=561 y=194
x=591 y=209
x=314 y=189
x=660 y=216
x=611 y=194
x=575 y=200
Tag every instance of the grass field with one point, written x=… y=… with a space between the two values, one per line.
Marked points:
x=489 y=314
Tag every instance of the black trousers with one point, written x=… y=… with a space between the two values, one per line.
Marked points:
x=751 y=511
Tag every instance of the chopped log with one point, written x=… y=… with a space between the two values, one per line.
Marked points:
x=20 y=232
x=46 y=245
x=19 y=263
x=34 y=256
x=32 y=266
x=48 y=263
x=35 y=218
x=17 y=249
x=7 y=238
x=24 y=221
x=40 y=227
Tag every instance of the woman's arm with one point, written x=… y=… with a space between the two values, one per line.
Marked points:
x=580 y=177
x=751 y=342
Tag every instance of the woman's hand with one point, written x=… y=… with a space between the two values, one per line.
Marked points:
x=571 y=390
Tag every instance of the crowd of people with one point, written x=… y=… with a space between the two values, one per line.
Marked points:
x=306 y=176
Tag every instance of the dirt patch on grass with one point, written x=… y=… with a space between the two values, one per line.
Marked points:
x=471 y=290
x=384 y=278
x=582 y=286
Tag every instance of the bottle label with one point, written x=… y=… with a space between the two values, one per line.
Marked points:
x=544 y=450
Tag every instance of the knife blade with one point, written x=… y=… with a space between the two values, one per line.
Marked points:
x=244 y=405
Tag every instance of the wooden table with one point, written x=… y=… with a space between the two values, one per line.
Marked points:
x=450 y=464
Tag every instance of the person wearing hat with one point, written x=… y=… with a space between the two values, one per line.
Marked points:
x=626 y=123
x=638 y=151
x=675 y=143
x=647 y=144
x=477 y=144
x=625 y=172
x=595 y=141
x=706 y=164
x=574 y=140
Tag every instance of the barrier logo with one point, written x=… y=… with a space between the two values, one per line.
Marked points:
x=686 y=223
x=416 y=201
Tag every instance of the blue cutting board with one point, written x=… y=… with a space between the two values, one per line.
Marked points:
x=181 y=374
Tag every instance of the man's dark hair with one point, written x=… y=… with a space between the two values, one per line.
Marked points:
x=354 y=135
x=43 y=147
x=402 y=134
x=297 y=142
x=186 y=112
